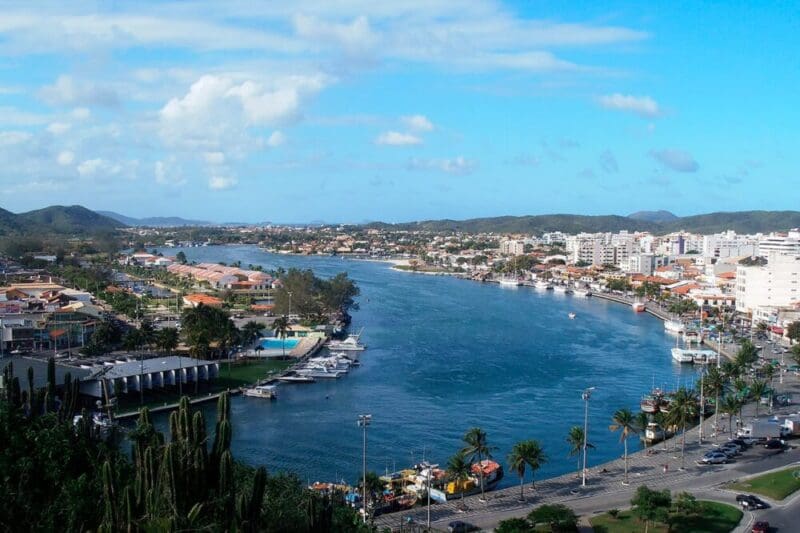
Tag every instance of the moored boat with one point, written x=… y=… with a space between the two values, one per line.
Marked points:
x=674 y=326
x=638 y=306
x=269 y=392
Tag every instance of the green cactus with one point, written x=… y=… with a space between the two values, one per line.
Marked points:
x=109 y=499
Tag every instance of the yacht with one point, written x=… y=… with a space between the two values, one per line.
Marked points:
x=509 y=282
x=683 y=355
x=674 y=326
x=543 y=285
x=350 y=344
x=320 y=372
x=295 y=378
x=585 y=293
x=269 y=392
x=638 y=306
x=560 y=288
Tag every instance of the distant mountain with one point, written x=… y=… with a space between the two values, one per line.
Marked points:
x=739 y=221
x=654 y=216
x=8 y=222
x=154 y=222
x=60 y=219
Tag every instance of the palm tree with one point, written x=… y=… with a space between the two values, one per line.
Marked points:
x=575 y=439
x=714 y=382
x=251 y=331
x=281 y=327
x=757 y=389
x=641 y=419
x=477 y=447
x=625 y=423
x=683 y=410
x=526 y=453
x=730 y=406
x=458 y=471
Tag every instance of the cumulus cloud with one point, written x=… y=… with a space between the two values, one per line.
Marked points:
x=91 y=168
x=57 y=128
x=417 y=122
x=677 y=160
x=65 y=158
x=457 y=166
x=276 y=139
x=644 y=106
x=68 y=90
x=396 y=138
x=608 y=162
x=221 y=182
x=214 y=158
x=81 y=113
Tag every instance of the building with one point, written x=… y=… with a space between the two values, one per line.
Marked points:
x=512 y=247
x=776 y=284
x=728 y=244
x=788 y=244
x=194 y=300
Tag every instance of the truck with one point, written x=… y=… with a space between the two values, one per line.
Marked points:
x=762 y=430
x=792 y=424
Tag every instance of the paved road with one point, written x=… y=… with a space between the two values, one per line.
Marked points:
x=605 y=489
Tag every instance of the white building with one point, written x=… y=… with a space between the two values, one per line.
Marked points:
x=512 y=247
x=729 y=244
x=777 y=284
x=785 y=244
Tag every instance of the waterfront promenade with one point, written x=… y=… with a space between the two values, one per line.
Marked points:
x=605 y=489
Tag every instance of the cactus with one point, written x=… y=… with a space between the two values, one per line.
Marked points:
x=109 y=500
x=249 y=508
x=51 y=385
x=130 y=510
x=16 y=396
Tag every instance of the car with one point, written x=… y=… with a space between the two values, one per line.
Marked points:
x=459 y=526
x=714 y=458
x=732 y=447
x=734 y=443
x=774 y=444
x=749 y=501
x=762 y=526
x=741 y=443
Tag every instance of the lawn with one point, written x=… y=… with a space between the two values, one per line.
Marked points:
x=715 y=518
x=776 y=485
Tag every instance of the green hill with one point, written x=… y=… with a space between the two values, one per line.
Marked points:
x=738 y=221
x=57 y=219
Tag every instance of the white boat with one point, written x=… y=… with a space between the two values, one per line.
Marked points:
x=333 y=362
x=294 y=378
x=269 y=392
x=543 y=285
x=571 y=316
x=560 y=288
x=689 y=355
x=585 y=293
x=509 y=282
x=350 y=344
x=682 y=355
x=674 y=326
x=638 y=306
x=320 y=372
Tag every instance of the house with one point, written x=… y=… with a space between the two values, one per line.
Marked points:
x=193 y=300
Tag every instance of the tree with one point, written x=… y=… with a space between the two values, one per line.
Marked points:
x=167 y=340
x=651 y=505
x=477 y=447
x=747 y=354
x=458 y=471
x=758 y=388
x=527 y=453
x=559 y=517
x=625 y=423
x=204 y=326
x=575 y=439
x=714 y=383
x=181 y=257
x=683 y=410
x=513 y=525
x=796 y=353
x=730 y=405
x=251 y=331
x=281 y=327
x=793 y=331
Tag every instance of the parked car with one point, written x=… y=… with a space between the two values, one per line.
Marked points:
x=730 y=452
x=774 y=444
x=740 y=442
x=750 y=501
x=459 y=526
x=714 y=458
x=762 y=526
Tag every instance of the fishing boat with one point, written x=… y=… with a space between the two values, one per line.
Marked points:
x=695 y=356
x=295 y=378
x=543 y=285
x=560 y=288
x=638 y=306
x=571 y=316
x=582 y=292
x=509 y=282
x=492 y=474
x=650 y=403
x=350 y=344
x=682 y=355
x=269 y=392
x=655 y=433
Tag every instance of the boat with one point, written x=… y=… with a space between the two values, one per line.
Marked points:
x=509 y=282
x=294 y=378
x=651 y=403
x=638 y=306
x=585 y=293
x=350 y=344
x=320 y=371
x=655 y=433
x=543 y=285
x=571 y=316
x=269 y=392
x=560 y=288
x=682 y=355
x=492 y=474
x=674 y=326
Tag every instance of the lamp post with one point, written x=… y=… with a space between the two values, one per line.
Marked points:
x=702 y=409
x=364 y=422
x=585 y=397
x=290 y=302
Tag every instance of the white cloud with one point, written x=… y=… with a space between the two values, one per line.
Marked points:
x=57 y=128
x=456 y=166
x=98 y=168
x=276 y=139
x=354 y=38
x=68 y=90
x=214 y=158
x=65 y=158
x=9 y=138
x=396 y=138
x=677 y=160
x=417 y=122
x=644 y=106
x=81 y=113
x=168 y=173
x=221 y=182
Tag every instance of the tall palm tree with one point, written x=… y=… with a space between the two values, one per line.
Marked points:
x=714 y=382
x=281 y=327
x=459 y=470
x=526 y=453
x=477 y=447
x=641 y=419
x=730 y=406
x=251 y=331
x=683 y=410
x=625 y=423
x=757 y=389
x=575 y=439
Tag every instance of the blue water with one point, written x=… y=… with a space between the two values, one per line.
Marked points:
x=278 y=344
x=445 y=355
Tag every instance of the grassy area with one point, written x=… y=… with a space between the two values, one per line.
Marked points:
x=776 y=485
x=714 y=518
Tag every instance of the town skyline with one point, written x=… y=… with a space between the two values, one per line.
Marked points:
x=397 y=112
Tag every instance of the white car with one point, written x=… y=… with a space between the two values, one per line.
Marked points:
x=714 y=458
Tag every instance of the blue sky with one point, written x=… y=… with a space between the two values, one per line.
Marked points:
x=359 y=110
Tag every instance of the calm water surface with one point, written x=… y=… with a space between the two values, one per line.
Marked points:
x=445 y=355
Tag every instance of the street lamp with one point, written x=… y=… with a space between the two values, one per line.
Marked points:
x=363 y=422
x=585 y=397
x=290 y=302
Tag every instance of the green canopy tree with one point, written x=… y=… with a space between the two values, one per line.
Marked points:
x=625 y=423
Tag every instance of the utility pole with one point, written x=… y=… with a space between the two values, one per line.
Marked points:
x=585 y=396
x=702 y=405
x=430 y=467
x=364 y=422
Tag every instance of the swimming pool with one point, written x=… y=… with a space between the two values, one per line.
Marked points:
x=272 y=343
